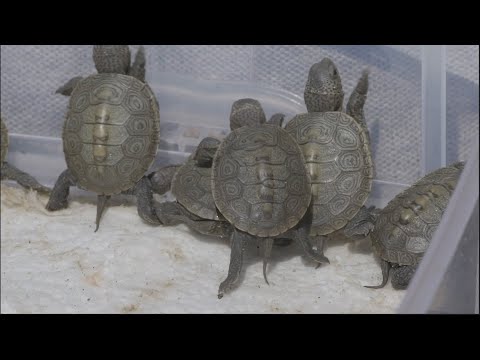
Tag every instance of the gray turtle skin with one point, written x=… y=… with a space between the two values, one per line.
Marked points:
x=336 y=147
x=246 y=112
x=111 y=59
x=405 y=227
x=10 y=172
x=110 y=139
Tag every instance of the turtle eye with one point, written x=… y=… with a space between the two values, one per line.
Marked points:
x=333 y=71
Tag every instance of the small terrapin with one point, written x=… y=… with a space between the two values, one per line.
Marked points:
x=112 y=59
x=191 y=182
x=10 y=172
x=404 y=228
x=337 y=153
x=110 y=139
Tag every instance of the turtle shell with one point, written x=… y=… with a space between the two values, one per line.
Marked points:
x=111 y=132
x=191 y=186
x=260 y=183
x=405 y=227
x=338 y=158
x=4 y=141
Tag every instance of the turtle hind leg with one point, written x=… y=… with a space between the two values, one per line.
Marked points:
x=362 y=223
x=145 y=203
x=321 y=242
x=268 y=245
x=385 y=265
x=27 y=181
x=59 y=196
x=101 y=202
x=67 y=89
x=402 y=275
x=301 y=235
x=238 y=244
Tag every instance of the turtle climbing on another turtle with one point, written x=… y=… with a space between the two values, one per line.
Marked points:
x=112 y=59
x=405 y=227
x=336 y=148
x=191 y=183
x=10 y=172
x=110 y=139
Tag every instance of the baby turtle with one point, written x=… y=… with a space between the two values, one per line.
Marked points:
x=405 y=227
x=192 y=182
x=10 y=172
x=110 y=139
x=261 y=186
x=337 y=152
x=112 y=59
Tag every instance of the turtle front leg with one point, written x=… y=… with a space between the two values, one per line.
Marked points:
x=238 y=245
x=67 y=89
x=357 y=100
x=362 y=224
x=27 y=181
x=402 y=275
x=385 y=265
x=59 y=196
x=137 y=69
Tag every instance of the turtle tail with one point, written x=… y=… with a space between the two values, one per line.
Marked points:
x=266 y=256
x=101 y=202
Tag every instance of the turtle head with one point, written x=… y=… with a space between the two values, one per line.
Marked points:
x=112 y=58
x=323 y=91
x=206 y=151
x=246 y=112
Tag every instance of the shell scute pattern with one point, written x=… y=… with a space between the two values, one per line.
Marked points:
x=256 y=189
x=111 y=132
x=338 y=159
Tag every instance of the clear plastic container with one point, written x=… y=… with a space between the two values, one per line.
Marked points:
x=422 y=112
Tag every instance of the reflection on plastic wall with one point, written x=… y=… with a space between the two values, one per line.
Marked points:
x=454 y=296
